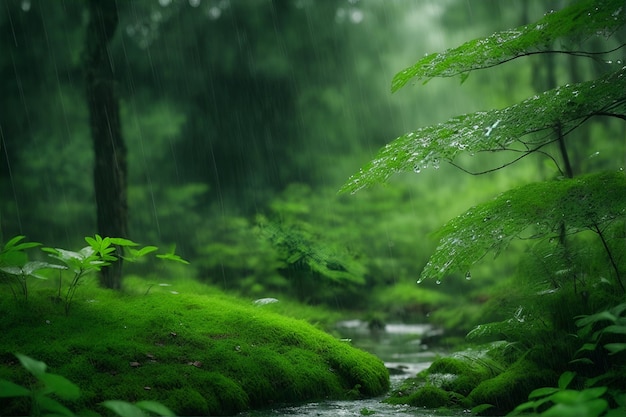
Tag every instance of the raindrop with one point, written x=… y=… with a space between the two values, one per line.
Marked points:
x=419 y=281
x=215 y=13
x=417 y=169
x=356 y=16
x=593 y=155
x=468 y=275
x=26 y=5
x=194 y=3
x=438 y=282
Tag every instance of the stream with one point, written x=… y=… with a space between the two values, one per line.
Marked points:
x=400 y=347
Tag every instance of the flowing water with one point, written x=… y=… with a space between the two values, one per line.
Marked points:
x=400 y=346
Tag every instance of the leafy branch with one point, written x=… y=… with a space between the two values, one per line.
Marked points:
x=576 y=22
x=541 y=209
x=495 y=130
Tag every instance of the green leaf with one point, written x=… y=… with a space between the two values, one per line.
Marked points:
x=495 y=130
x=565 y=379
x=12 y=242
x=35 y=367
x=138 y=253
x=123 y=242
x=575 y=22
x=614 y=329
x=13 y=246
x=576 y=397
x=13 y=258
x=54 y=407
x=594 y=318
x=615 y=348
x=31 y=267
x=123 y=408
x=537 y=209
x=542 y=392
x=172 y=257
x=480 y=408
x=156 y=408
x=60 y=386
x=92 y=242
x=587 y=347
x=12 y=270
x=592 y=408
x=9 y=389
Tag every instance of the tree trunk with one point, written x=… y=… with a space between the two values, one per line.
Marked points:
x=110 y=169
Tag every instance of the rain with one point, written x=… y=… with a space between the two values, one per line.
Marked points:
x=412 y=195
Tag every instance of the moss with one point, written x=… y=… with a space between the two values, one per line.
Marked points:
x=188 y=402
x=430 y=397
x=457 y=375
x=511 y=387
x=178 y=348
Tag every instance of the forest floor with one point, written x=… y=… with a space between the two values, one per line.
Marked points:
x=188 y=346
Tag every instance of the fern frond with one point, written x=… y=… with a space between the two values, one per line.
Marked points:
x=540 y=209
x=576 y=22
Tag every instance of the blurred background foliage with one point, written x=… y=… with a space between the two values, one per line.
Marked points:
x=243 y=119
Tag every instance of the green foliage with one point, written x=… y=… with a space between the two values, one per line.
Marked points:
x=49 y=385
x=564 y=108
x=574 y=23
x=539 y=209
x=16 y=269
x=199 y=351
x=561 y=214
x=607 y=329
x=126 y=409
x=563 y=402
x=552 y=207
x=99 y=253
x=301 y=251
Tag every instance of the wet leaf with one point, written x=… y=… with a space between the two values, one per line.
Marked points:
x=495 y=130
x=537 y=210
x=580 y=20
x=9 y=389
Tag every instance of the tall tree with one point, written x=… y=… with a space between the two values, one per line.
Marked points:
x=110 y=168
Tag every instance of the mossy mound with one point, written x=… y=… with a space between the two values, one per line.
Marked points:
x=472 y=379
x=199 y=354
x=512 y=386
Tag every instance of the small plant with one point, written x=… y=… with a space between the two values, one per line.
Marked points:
x=597 y=328
x=16 y=269
x=563 y=402
x=51 y=386
x=606 y=329
x=100 y=252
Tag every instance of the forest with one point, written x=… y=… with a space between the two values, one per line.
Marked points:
x=195 y=192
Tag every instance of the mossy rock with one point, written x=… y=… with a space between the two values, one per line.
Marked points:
x=198 y=352
x=457 y=375
x=429 y=396
x=511 y=388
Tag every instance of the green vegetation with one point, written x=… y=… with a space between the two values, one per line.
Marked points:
x=576 y=264
x=195 y=350
x=58 y=386
x=235 y=123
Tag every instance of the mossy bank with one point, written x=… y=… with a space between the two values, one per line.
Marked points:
x=199 y=352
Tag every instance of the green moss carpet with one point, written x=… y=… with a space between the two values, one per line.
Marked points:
x=198 y=351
